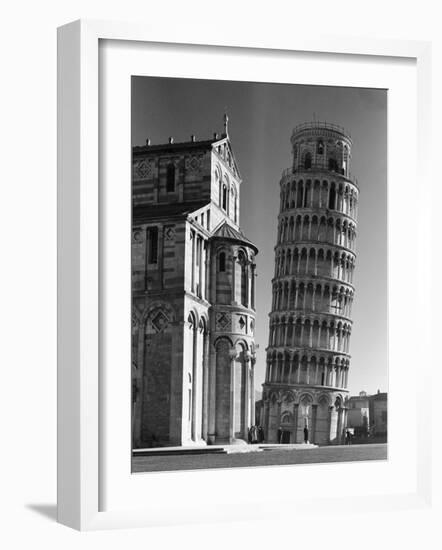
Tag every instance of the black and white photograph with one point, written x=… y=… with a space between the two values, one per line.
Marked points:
x=221 y=313
x=259 y=274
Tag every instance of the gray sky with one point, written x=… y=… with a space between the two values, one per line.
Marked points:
x=261 y=118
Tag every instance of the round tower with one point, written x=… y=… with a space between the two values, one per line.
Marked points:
x=232 y=329
x=310 y=321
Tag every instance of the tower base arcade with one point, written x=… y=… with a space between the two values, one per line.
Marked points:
x=289 y=410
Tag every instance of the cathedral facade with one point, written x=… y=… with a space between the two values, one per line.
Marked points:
x=310 y=322
x=193 y=296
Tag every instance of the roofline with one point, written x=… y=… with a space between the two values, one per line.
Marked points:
x=245 y=242
x=317 y=125
x=143 y=149
x=233 y=239
x=182 y=214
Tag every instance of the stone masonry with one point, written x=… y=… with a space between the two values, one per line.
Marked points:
x=310 y=322
x=193 y=296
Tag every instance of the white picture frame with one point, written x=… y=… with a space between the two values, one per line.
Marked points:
x=81 y=471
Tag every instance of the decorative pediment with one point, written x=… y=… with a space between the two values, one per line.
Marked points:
x=223 y=149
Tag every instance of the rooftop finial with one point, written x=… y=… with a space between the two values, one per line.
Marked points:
x=226 y=124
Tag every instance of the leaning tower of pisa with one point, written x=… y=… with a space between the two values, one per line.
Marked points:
x=310 y=322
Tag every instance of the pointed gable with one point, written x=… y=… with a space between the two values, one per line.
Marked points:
x=223 y=149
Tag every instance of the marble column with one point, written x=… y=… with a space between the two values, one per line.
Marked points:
x=247 y=396
x=205 y=386
x=295 y=421
x=232 y=356
x=193 y=238
x=252 y=390
x=330 y=412
x=253 y=285
x=266 y=418
x=195 y=384
x=201 y=267
x=212 y=395
x=234 y=280
x=312 y=435
x=278 y=414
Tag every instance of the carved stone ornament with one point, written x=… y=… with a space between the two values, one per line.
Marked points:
x=223 y=321
x=142 y=169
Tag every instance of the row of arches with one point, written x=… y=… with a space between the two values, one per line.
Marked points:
x=316 y=261
x=300 y=332
x=323 y=416
x=307 y=162
x=313 y=369
x=314 y=194
x=197 y=323
x=302 y=396
x=291 y=295
x=333 y=229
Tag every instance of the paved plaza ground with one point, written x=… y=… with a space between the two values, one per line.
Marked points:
x=339 y=453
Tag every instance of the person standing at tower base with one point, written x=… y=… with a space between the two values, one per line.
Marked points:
x=306 y=435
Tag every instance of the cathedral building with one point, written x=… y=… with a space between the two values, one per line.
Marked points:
x=310 y=322
x=193 y=296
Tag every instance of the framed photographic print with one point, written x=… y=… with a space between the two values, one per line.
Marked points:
x=216 y=381
x=233 y=227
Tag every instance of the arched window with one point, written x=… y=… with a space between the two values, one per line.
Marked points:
x=333 y=164
x=307 y=194
x=244 y=285
x=332 y=198
x=152 y=245
x=234 y=204
x=224 y=197
x=170 y=181
x=345 y=160
x=222 y=262
x=320 y=148
x=308 y=161
x=243 y=278
x=299 y=195
x=191 y=320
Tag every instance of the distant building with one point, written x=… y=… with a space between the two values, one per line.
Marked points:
x=358 y=417
x=378 y=414
x=193 y=296
x=367 y=414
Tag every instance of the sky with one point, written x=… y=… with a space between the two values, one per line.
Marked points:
x=261 y=119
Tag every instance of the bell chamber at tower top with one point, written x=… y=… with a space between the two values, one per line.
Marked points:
x=322 y=146
x=320 y=176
